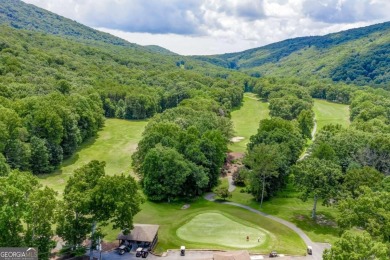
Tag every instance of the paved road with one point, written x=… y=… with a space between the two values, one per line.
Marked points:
x=318 y=248
x=232 y=187
x=190 y=255
x=171 y=255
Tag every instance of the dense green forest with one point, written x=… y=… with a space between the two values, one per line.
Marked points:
x=55 y=94
x=357 y=56
x=56 y=90
x=20 y=15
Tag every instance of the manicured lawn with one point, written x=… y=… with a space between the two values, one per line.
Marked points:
x=330 y=113
x=246 y=120
x=173 y=221
x=211 y=228
x=114 y=144
x=287 y=205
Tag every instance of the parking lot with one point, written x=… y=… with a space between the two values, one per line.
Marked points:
x=190 y=255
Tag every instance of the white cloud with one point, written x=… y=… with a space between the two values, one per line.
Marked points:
x=184 y=44
x=346 y=11
x=218 y=26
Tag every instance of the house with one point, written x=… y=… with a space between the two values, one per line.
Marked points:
x=142 y=235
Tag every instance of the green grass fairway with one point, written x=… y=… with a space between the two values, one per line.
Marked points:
x=330 y=113
x=114 y=144
x=246 y=120
x=215 y=228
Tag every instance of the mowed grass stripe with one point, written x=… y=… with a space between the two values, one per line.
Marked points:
x=246 y=120
x=114 y=144
x=330 y=113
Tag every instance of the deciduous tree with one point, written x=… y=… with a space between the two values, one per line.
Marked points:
x=264 y=162
x=92 y=199
x=370 y=211
x=320 y=179
x=357 y=246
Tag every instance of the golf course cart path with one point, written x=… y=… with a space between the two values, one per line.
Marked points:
x=313 y=137
x=318 y=248
x=232 y=187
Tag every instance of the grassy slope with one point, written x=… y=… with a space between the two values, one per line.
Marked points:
x=114 y=144
x=330 y=113
x=246 y=120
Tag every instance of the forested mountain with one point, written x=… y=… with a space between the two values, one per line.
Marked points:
x=55 y=89
x=59 y=80
x=20 y=15
x=360 y=56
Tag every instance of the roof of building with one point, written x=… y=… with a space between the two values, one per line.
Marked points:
x=141 y=232
x=237 y=255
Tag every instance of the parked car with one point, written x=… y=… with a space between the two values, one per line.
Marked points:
x=273 y=254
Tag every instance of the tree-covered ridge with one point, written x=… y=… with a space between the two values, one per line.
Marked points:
x=27 y=16
x=56 y=92
x=355 y=56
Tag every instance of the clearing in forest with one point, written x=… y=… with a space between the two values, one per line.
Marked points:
x=246 y=120
x=330 y=113
x=114 y=144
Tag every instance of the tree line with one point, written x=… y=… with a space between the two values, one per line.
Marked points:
x=38 y=132
x=31 y=214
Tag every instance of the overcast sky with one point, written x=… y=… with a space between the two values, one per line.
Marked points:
x=218 y=26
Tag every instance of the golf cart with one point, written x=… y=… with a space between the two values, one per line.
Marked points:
x=182 y=250
x=123 y=249
x=273 y=254
x=309 y=250
x=138 y=252
x=144 y=252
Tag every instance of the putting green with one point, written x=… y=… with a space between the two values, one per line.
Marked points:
x=217 y=229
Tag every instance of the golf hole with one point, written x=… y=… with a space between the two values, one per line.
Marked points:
x=217 y=229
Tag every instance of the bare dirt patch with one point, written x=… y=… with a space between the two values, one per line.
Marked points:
x=323 y=221
x=232 y=164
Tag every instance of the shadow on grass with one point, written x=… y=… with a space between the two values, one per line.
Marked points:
x=72 y=159
x=306 y=223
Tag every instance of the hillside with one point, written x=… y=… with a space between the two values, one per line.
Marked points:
x=57 y=90
x=20 y=15
x=359 y=56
